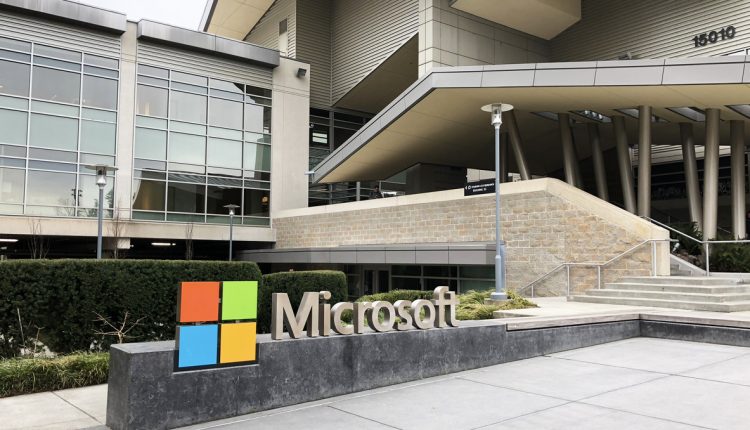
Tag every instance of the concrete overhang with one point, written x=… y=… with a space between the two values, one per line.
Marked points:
x=437 y=120
x=212 y=44
x=541 y=18
x=80 y=14
x=233 y=18
x=422 y=253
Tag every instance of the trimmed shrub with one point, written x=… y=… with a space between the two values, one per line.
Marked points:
x=295 y=284
x=471 y=305
x=33 y=375
x=63 y=298
x=395 y=295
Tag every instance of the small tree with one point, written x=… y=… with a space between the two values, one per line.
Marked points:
x=116 y=230
x=120 y=331
x=38 y=245
x=189 y=241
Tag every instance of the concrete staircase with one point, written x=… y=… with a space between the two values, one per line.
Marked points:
x=679 y=292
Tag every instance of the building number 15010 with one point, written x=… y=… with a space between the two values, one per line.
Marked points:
x=713 y=36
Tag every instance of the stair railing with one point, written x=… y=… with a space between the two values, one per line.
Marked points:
x=598 y=265
x=706 y=244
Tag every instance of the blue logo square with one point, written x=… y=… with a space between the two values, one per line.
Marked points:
x=198 y=345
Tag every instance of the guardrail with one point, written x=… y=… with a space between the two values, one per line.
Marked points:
x=706 y=244
x=597 y=265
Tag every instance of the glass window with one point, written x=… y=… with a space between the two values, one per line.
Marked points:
x=187 y=148
x=189 y=79
x=99 y=115
x=99 y=92
x=98 y=137
x=150 y=143
x=14 y=78
x=57 y=64
x=224 y=153
x=152 y=101
x=186 y=198
x=95 y=60
x=48 y=188
x=14 y=44
x=257 y=157
x=148 y=195
x=487 y=272
x=257 y=203
x=11 y=55
x=49 y=154
x=249 y=89
x=187 y=107
x=153 y=71
x=101 y=72
x=53 y=132
x=88 y=192
x=54 y=108
x=62 y=54
x=218 y=197
x=56 y=85
x=225 y=113
x=341 y=135
x=257 y=118
x=13 y=127
x=11 y=185
x=12 y=151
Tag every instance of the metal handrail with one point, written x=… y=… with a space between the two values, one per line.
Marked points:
x=598 y=265
x=706 y=243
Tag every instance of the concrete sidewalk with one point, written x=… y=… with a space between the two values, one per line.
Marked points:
x=86 y=407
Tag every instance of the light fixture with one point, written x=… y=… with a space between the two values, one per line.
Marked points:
x=496 y=119
x=8 y=240
x=593 y=115
x=101 y=181
x=310 y=172
x=162 y=244
x=690 y=113
x=301 y=72
x=231 y=208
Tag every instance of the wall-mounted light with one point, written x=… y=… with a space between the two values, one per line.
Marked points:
x=162 y=244
x=8 y=240
x=301 y=72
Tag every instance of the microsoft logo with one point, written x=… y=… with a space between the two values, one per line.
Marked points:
x=216 y=324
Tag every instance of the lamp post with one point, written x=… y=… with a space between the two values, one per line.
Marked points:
x=101 y=181
x=231 y=225
x=496 y=113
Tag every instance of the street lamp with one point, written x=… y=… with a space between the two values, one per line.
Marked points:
x=101 y=182
x=496 y=119
x=231 y=225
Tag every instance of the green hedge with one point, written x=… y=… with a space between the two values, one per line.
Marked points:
x=62 y=297
x=396 y=295
x=33 y=375
x=295 y=284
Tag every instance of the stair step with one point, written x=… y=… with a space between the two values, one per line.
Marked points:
x=679 y=288
x=685 y=280
x=676 y=272
x=672 y=304
x=662 y=295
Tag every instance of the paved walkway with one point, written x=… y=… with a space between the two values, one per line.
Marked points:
x=637 y=383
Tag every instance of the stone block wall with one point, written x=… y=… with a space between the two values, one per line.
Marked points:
x=541 y=228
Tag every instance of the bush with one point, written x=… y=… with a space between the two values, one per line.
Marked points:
x=295 y=284
x=63 y=298
x=728 y=257
x=471 y=305
x=396 y=295
x=33 y=375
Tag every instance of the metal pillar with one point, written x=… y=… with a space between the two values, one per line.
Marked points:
x=515 y=143
x=570 y=161
x=100 y=220
x=596 y=154
x=737 y=139
x=711 y=174
x=624 y=163
x=691 y=174
x=231 y=228
x=505 y=150
x=644 y=161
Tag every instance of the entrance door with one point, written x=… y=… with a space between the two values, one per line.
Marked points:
x=376 y=280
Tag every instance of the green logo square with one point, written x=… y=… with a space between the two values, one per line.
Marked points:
x=239 y=300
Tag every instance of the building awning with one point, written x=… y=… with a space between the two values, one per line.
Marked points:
x=422 y=253
x=438 y=120
x=233 y=18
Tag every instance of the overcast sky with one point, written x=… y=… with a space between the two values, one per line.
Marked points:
x=182 y=13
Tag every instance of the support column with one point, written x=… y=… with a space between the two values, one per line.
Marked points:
x=737 y=139
x=691 y=174
x=644 y=161
x=596 y=154
x=570 y=161
x=624 y=163
x=711 y=174
x=515 y=143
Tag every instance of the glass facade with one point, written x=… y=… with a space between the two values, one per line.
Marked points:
x=58 y=113
x=200 y=144
x=328 y=131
